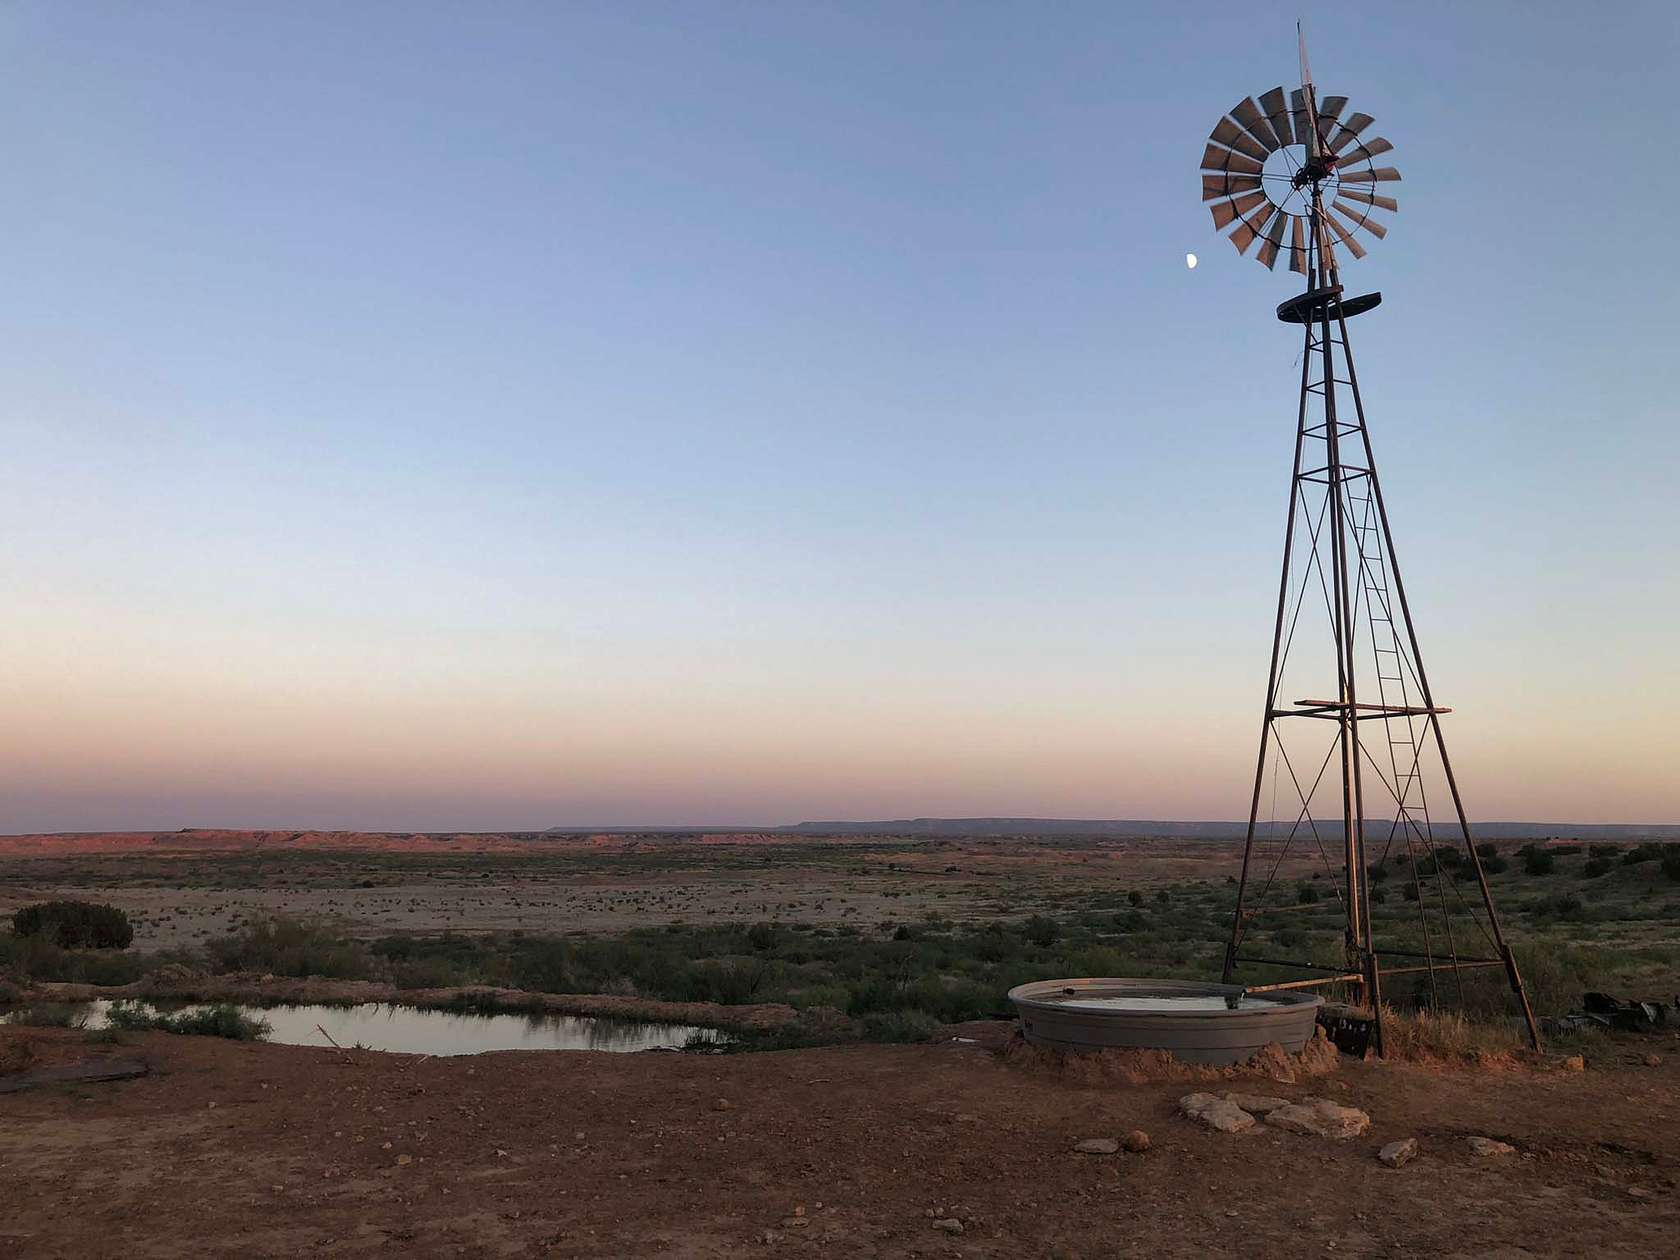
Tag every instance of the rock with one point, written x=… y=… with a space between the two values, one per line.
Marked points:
x=1216 y=1113
x=1320 y=1117
x=795 y=1222
x=1398 y=1154
x=1097 y=1146
x=1653 y=1060
x=1137 y=1141
x=723 y=1104
x=403 y=1161
x=1488 y=1148
x=949 y=1225
x=1574 y=1063
x=1259 y=1104
x=1638 y=1192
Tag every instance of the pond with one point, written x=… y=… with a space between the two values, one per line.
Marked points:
x=413 y=1030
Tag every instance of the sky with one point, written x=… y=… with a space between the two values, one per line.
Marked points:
x=424 y=416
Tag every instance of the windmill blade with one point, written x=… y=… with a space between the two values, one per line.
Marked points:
x=1278 y=115
x=1367 y=175
x=1297 y=247
x=1215 y=158
x=1226 y=212
x=1370 y=199
x=1249 y=229
x=1368 y=151
x=1232 y=136
x=1249 y=117
x=1226 y=185
x=1349 y=131
x=1360 y=219
x=1343 y=235
x=1274 y=241
x=1330 y=108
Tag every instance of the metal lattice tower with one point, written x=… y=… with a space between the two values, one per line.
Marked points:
x=1304 y=168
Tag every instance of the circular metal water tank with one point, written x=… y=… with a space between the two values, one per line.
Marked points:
x=1217 y=1024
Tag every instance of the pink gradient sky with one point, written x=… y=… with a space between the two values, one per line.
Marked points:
x=600 y=414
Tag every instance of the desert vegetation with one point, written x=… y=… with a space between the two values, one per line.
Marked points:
x=75 y=924
x=956 y=938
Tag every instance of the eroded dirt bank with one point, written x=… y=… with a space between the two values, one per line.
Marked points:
x=258 y=1150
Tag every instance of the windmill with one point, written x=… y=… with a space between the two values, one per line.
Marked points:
x=1298 y=173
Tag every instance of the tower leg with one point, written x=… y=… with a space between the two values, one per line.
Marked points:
x=1272 y=677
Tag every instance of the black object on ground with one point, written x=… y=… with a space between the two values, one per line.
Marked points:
x=74 y=1073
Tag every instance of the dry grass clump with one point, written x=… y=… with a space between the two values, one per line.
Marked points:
x=1141 y=1067
x=1447 y=1037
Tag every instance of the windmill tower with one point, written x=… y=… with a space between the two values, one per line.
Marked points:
x=1351 y=733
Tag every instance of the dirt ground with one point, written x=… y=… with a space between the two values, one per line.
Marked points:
x=259 y=1150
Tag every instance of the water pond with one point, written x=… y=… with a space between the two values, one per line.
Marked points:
x=413 y=1030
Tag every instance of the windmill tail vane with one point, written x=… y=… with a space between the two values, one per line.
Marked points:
x=1351 y=732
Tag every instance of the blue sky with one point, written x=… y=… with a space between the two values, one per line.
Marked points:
x=445 y=416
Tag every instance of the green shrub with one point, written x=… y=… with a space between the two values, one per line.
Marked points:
x=765 y=936
x=1495 y=865
x=546 y=966
x=48 y=1015
x=1305 y=894
x=291 y=947
x=222 y=1020
x=1487 y=849
x=1596 y=866
x=1559 y=906
x=1538 y=862
x=38 y=958
x=1041 y=930
x=1643 y=853
x=1671 y=861
x=75 y=924
x=900 y=1025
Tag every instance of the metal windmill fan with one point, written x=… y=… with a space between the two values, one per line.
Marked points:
x=1271 y=168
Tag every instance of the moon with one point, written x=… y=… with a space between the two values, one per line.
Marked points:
x=1190 y=261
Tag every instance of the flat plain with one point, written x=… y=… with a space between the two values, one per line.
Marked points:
x=815 y=1135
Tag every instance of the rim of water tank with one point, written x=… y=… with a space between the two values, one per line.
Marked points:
x=1035 y=992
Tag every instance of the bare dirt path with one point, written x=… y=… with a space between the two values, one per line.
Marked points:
x=258 y=1150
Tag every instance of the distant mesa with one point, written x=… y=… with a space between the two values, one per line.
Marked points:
x=1124 y=827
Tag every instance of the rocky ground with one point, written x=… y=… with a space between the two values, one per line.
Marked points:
x=948 y=1149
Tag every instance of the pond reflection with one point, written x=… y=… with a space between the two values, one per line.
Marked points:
x=412 y=1030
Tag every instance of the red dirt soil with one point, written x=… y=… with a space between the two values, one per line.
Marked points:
x=258 y=1150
